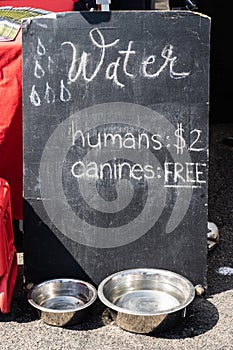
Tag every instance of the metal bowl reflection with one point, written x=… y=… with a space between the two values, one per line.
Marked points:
x=146 y=300
x=62 y=302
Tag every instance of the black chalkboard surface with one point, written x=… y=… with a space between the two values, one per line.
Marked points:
x=115 y=133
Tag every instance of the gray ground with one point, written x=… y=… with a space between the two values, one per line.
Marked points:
x=209 y=320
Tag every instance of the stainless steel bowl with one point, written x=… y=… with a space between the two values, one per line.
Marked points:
x=146 y=300
x=62 y=302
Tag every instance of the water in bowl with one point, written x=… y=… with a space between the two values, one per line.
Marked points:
x=147 y=301
x=63 y=303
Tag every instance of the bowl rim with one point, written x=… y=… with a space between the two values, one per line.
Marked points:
x=148 y=271
x=78 y=308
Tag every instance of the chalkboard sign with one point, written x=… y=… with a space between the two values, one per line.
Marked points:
x=115 y=120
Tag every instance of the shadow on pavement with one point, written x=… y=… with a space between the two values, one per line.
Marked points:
x=201 y=317
x=221 y=208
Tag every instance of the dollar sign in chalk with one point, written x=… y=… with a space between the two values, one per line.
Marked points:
x=180 y=140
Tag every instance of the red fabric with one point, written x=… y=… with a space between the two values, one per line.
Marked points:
x=8 y=254
x=11 y=103
x=6 y=228
x=11 y=121
x=49 y=5
x=8 y=282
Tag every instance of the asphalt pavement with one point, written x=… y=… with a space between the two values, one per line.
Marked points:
x=209 y=320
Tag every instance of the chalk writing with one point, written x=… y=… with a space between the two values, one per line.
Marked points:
x=181 y=143
x=73 y=75
x=170 y=61
x=127 y=64
x=34 y=97
x=65 y=95
x=49 y=94
x=180 y=140
x=112 y=70
x=174 y=174
x=185 y=173
x=50 y=64
x=128 y=140
x=112 y=171
x=136 y=140
x=38 y=71
x=40 y=48
x=198 y=134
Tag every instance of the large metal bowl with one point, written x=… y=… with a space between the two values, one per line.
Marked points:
x=62 y=302
x=146 y=300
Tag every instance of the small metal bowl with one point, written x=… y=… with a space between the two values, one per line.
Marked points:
x=146 y=300
x=62 y=302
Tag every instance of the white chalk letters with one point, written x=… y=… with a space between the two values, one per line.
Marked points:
x=118 y=62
